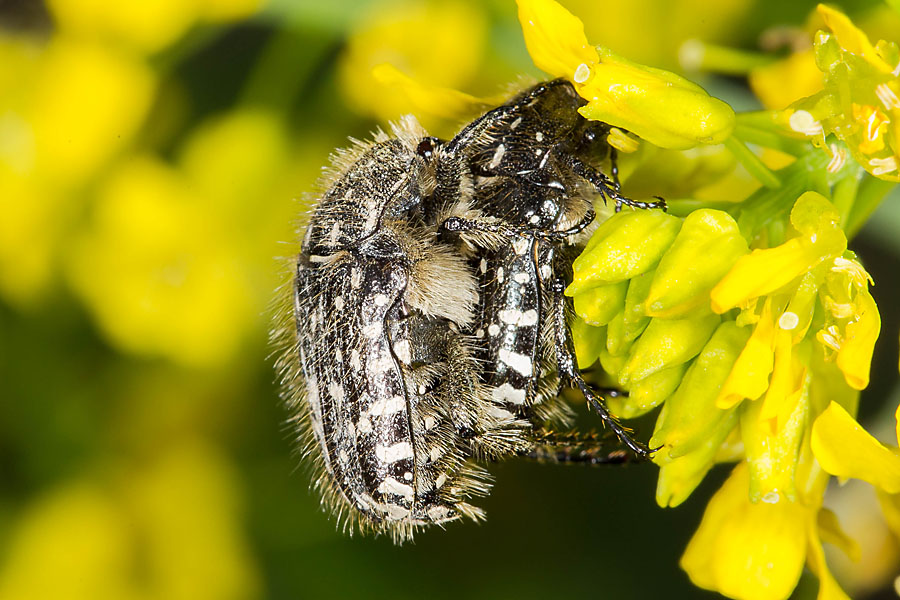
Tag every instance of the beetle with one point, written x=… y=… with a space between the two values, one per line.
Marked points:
x=392 y=386
x=532 y=167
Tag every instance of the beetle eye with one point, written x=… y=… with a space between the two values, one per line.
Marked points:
x=425 y=149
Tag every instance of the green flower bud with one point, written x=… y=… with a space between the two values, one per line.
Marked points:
x=691 y=413
x=588 y=341
x=616 y=344
x=666 y=343
x=626 y=245
x=650 y=392
x=706 y=248
x=635 y=319
x=659 y=106
x=680 y=477
x=598 y=305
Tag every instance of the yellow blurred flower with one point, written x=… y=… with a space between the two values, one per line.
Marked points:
x=168 y=530
x=415 y=38
x=158 y=270
x=147 y=26
x=659 y=106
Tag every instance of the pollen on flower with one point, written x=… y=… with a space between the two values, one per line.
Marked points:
x=582 y=73
x=883 y=166
x=838 y=159
x=788 y=321
x=830 y=337
x=803 y=122
x=887 y=96
x=621 y=141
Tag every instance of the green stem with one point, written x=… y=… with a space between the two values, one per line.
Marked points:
x=752 y=163
x=704 y=56
x=844 y=195
x=869 y=195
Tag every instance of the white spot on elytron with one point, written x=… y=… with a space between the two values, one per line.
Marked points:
x=498 y=156
x=373 y=330
x=546 y=272
x=788 y=321
x=479 y=333
x=396 y=513
x=441 y=480
x=422 y=389
x=438 y=514
x=515 y=123
x=539 y=136
x=500 y=413
x=343 y=458
x=320 y=258
x=534 y=219
x=483 y=266
x=392 y=486
x=493 y=329
x=519 y=362
x=338 y=355
x=582 y=73
x=401 y=351
x=430 y=422
x=539 y=151
x=336 y=391
x=521 y=246
x=522 y=278
x=354 y=359
x=389 y=406
x=408 y=476
x=435 y=453
x=507 y=393
x=364 y=425
x=391 y=454
x=512 y=316
x=355 y=278
x=500 y=274
x=380 y=299
x=335 y=233
x=339 y=303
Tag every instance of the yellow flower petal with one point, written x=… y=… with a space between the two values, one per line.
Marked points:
x=828 y=587
x=851 y=38
x=749 y=377
x=438 y=101
x=555 y=38
x=745 y=550
x=854 y=358
x=845 y=449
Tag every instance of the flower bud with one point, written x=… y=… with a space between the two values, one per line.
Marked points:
x=626 y=245
x=691 y=413
x=648 y=393
x=659 y=106
x=705 y=249
x=667 y=343
x=598 y=305
x=588 y=341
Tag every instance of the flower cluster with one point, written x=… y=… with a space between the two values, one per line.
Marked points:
x=859 y=104
x=752 y=328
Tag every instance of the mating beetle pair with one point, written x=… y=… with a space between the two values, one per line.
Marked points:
x=429 y=324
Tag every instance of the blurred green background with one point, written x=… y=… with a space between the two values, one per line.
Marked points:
x=153 y=157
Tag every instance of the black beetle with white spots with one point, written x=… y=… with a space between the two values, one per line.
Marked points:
x=424 y=329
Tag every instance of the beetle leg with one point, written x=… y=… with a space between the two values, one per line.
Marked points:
x=568 y=369
x=577 y=447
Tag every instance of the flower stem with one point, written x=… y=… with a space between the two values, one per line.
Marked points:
x=752 y=163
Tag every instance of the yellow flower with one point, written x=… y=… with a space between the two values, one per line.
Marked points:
x=657 y=105
x=416 y=38
x=845 y=449
x=859 y=103
x=756 y=550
